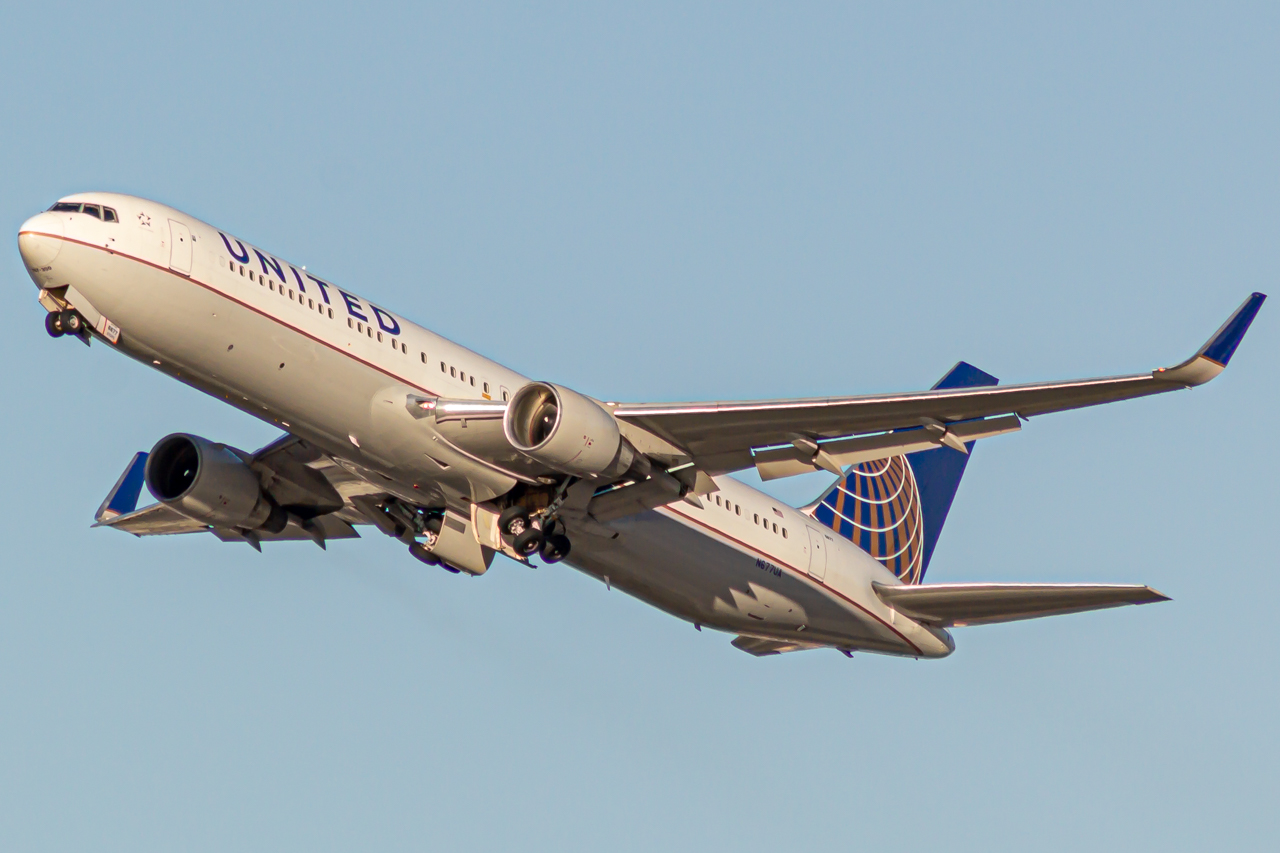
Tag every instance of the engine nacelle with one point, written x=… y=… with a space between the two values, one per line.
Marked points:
x=209 y=482
x=566 y=431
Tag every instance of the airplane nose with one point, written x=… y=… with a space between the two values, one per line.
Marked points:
x=40 y=240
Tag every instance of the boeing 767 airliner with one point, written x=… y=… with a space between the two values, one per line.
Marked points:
x=390 y=425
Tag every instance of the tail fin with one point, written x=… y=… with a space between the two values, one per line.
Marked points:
x=894 y=508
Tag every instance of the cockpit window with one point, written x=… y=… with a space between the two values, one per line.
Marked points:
x=106 y=214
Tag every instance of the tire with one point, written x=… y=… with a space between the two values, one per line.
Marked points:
x=528 y=543
x=71 y=322
x=420 y=551
x=555 y=548
x=52 y=326
x=513 y=522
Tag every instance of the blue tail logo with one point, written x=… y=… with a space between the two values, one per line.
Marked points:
x=894 y=508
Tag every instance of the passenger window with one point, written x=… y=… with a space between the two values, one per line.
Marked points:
x=486 y=387
x=453 y=371
x=233 y=265
x=291 y=293
x=93 y=210
x=242 y=270
x=109 y=215
x=462 y=375
x=442 y=367
x=775 y=527
x=717 y=500
x=784 y=533
x=473 y=382
x=737 y=510
x=755 y=519
x=368 y=330
x=404 y=348
x=505 y=395
x=310 y=305
x=330 y=313
x=379 y=335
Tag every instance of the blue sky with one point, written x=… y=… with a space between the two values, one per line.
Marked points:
x=667 y=201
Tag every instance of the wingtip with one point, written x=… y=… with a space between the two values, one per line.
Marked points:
x=1223 y=344
x=1215 y=355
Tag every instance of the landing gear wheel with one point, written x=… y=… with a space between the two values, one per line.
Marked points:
x=71 y=322
x=528 y=543
x=52 y=326
x=555 y=548
x=420 y=551
x=513 y=522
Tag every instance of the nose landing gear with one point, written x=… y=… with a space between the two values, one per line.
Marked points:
x=68 y=322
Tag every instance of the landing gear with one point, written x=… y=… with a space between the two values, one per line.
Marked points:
x=59 y=323
x=555 y=548
x=528 y=543
x=513 y=521
x=431 y=529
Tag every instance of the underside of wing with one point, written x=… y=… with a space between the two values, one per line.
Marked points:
x=962 y=604
x=728 y=436
x=317 y=495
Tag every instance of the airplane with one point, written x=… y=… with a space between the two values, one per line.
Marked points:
x=389 y=425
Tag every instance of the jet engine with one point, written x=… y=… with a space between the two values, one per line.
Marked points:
x=210 y=482
x=568 y=433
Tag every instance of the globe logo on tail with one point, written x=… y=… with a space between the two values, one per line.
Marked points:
x=877 y=507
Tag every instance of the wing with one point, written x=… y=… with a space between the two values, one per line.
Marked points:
x=962 y=604
x=727 y=436
x=319 y=495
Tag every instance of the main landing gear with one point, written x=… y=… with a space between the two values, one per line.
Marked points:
x=69 y=322
x=547 y=541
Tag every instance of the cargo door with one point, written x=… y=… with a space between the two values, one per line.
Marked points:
x=179 y=247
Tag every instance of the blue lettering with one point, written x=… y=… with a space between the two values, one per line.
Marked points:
x=324 y=288
x=353 y=305
x=394 y=328
x=243 y=256
x=274 y=263
x=301 y=288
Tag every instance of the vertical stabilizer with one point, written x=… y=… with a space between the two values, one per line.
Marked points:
x=894 y=508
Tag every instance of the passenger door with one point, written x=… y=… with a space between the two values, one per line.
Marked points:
x=817 y=554
x=179 y=247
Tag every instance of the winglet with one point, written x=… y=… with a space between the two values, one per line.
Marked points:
x=123 y=497
x=1214 y=356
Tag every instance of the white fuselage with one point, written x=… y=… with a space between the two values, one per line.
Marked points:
x=335 y=369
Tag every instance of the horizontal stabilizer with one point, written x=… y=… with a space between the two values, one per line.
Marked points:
x=960 y=604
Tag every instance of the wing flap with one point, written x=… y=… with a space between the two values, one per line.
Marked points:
x=964 y=604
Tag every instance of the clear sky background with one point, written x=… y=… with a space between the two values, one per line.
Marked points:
x=663 y=202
